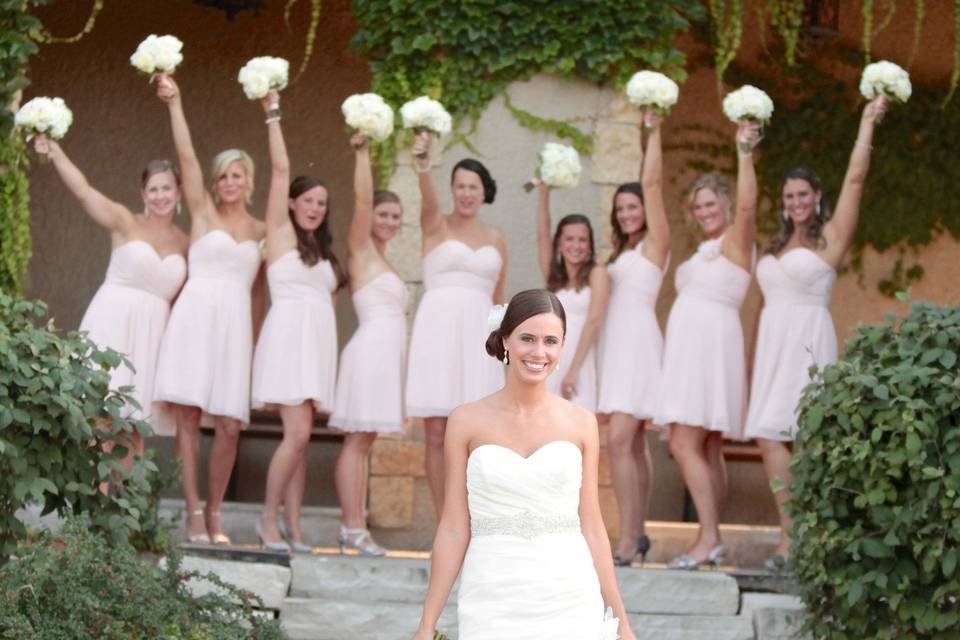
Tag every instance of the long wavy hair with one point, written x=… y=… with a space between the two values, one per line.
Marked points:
x=620 y=239
x=557 y=278
x=815 y=228
x=315 y=245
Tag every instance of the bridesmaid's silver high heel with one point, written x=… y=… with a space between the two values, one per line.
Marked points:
x=298 y=547
x=714 y=559
x=359 y=540
x=280 y=547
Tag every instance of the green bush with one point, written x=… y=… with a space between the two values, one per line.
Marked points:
x=876 y=483
x=78 y=585
x=57 y=412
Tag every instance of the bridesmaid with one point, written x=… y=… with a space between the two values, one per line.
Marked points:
x=703 y=380
x=464 y=268
x=295 y=364
x=631 y=343
x=204 y=365
x=147 y=268
x=796 y=277
x=369 y=398
x=569 y=268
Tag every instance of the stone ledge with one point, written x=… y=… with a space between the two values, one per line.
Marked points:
x=391 y=580
x=659 y=627
x=270 y=582
x=663 y=591
x=371 y=620
x=774 y=616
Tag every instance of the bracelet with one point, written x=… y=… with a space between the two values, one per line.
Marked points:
x=272 y=119
x=419 y=169
x=273 y=114
x=857 y=143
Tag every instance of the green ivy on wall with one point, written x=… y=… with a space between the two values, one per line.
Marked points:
x=465 y=53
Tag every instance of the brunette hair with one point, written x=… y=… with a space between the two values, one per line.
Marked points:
x=557 y=278
x=315 y=245
x=223 y=160
x=489 y=184
x=717 y=183
x=523 y=306
x=620 y=238
x=158 y=166
x=379 y=197
x=815 y=228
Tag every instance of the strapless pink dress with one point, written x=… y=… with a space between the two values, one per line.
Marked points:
x=370 y=384
x=296 y=356
x=796 y=331
x=575 y=305
x=703 y=380
x=206 y=350
x=129 y=313
x=449 y=365
x=631 y=343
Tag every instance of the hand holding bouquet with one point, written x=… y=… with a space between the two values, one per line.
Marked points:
x=652 y=89
x=157 y=54
x=426 y=114
x=368 y=114
x=49 y=116
x=559 y=166
x=748 y=103
x=262 y=74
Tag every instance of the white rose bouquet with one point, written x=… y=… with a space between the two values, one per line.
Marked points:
x=49 y=116
x=368 y=114
x=652 y=89
x=157 y=54
x=748 y=103
x=427 y=114
x=261 y=74
x=559 y=166
x=886 y=79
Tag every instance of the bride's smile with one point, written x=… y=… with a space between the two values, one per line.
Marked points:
x=535 y=346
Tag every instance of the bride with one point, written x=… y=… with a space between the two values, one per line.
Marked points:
x=522 y=521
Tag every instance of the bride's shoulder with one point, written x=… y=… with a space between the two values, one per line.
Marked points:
x=468 y=417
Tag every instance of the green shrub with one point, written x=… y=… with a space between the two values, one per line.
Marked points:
x=57 y=412
x=876 y=483
x=79 y=585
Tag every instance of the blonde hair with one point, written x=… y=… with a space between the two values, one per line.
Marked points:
x=223 y=160
x=716 y=183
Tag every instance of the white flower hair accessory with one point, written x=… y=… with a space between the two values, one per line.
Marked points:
x=495 y=318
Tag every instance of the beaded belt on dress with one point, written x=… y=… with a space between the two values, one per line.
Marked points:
x=524 y=525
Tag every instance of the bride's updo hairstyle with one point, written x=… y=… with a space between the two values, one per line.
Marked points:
x=475 y=166
x=524 y=305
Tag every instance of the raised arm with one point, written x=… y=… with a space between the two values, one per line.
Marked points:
x=199 y=203
x=839 y=231
x=104 y=211
x=656 y=245
x=277 y=206
x=743 y=232
x=596 y=312
x=453 y=530
x=499 y=291
x=431 y=219
x=544 y=243
x=362 y=224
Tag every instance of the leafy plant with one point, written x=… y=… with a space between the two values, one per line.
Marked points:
x=876 y=483
x=80 y=585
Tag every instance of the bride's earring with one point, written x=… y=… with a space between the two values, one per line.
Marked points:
x=506 y=357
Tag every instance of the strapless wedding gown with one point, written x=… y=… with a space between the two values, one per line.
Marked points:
x=528 y=573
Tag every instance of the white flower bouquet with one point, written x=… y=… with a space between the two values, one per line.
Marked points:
x=559 y=166
x=368 y=114
x=261 y=74
x=653 y=89
x=157 y=54
x=49 y=116
x=424 y=113
x=748 y=103
x=611 y=626
x=887 y=79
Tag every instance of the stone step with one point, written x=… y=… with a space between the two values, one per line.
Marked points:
x=774 y=616
x=661 y=627
x=269 y=582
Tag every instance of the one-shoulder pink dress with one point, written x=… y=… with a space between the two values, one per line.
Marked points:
x=631 y=343
x=129 y=313
x=296 y=356
x=207 y=348
x=703 y=380
x=448 y=363
x=576 y=304
x=796 y=331
x=373 y=364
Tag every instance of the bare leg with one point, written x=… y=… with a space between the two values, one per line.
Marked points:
x=688 y=446
x=776 y=462
x=621 y=433
x=188 y=450
x=350 y=475
x=645 y=476
x=293 y=496
x=297 y=422
x=718 y=466
x=434 y=428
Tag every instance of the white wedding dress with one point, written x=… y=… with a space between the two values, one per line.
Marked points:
x=528 y=573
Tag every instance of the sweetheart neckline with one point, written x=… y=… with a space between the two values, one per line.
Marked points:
x=779 y=258
x=156 y=253
x=520 y=455
x=461 y=242
x=226 y=233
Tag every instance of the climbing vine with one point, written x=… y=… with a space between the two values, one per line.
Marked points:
x=311 y=37
x=726 y=18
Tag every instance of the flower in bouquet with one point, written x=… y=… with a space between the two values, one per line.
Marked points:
x=261 y=74
x=45 y=115
x=157 y=54
x=559 y=166
x=887 y=79
x=426 y=114
x=368 y=114
x=653 y=89
x=748 y=103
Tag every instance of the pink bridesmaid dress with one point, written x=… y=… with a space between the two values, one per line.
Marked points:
x=206 y=350
x=703 y=379
x=129 y=313
x=796 y=331
x=631 y=343
x=296 y=356
x=370 y=386
x=575 y=305
x=448 y=364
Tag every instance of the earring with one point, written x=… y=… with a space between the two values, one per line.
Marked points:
x=784 y=215
x=179 y=207
x=146 y=210
x=506 y=357
x=818 y=207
